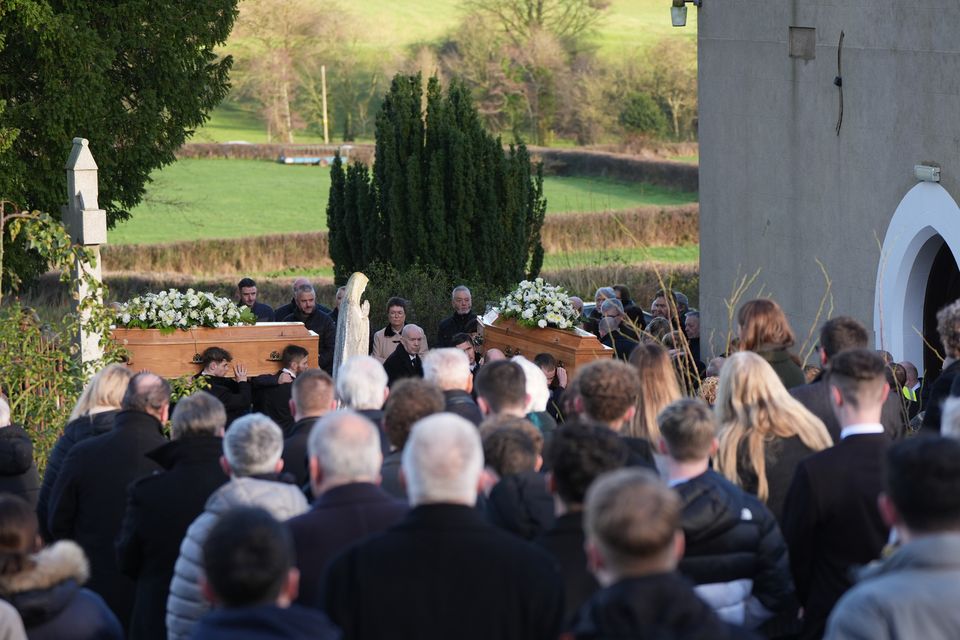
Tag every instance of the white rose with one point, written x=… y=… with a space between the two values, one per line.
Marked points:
x=542 y=323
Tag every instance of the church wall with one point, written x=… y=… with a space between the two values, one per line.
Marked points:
x=778 y=187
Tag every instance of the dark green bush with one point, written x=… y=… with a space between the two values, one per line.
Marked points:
x=642 y=115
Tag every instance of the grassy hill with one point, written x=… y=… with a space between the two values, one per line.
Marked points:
x=194 y=199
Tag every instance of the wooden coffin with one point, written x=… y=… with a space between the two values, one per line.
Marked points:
x=571 y=349
x=177 y=354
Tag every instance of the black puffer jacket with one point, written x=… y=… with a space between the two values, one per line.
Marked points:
x=521 y=504
x=76 y=430
x=734 y=550
x=18 y=473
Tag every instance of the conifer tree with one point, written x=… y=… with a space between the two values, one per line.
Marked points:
x=442 y=193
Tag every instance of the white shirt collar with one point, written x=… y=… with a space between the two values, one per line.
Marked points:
x=860 y=429
x=288 y=372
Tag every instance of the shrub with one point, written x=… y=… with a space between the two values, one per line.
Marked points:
x=642 y=115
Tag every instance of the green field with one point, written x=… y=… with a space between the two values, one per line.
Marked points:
x=685 y=254
x=195 y=199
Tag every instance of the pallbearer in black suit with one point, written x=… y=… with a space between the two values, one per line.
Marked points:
x=272 y=391
x=830 y=518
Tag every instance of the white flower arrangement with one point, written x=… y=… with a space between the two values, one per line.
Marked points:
x=171 y=310
x=539 y=304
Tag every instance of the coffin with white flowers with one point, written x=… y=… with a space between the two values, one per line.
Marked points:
x=176 y=354
x=572 y=349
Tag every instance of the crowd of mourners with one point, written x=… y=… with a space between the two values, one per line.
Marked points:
x=447 y=491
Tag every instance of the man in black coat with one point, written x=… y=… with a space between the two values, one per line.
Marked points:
x=161 y=507
x=830 y=518
x=345 y=463
x=247 y=290
x=312 y=397
x=443 y=571
x=633 y=544
x=463 y=319
x=449 y=369
x=401 y=364
x=313 y=318
x=836 y=335
x=284 y=310
x=577 y=455
x=90 y=496
x=18 y=472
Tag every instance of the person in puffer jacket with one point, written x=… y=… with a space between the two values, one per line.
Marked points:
x=18 y=473
x=735 y=553
x=251 y=454
x=45 y=585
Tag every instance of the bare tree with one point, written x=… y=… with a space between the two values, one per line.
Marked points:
x=520 y=20
x=672 y=65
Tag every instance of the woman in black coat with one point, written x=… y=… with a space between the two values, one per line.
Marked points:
x=92 y=416
x=45 y=585
x=18 y=473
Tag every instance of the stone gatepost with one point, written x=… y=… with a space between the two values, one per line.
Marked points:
x=87 y=224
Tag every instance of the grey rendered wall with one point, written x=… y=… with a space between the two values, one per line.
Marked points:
x=778 y=187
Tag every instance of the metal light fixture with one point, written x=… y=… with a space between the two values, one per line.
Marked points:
x=926 y=172
x=678 y=12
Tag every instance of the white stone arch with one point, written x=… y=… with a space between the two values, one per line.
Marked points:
x=925 y=219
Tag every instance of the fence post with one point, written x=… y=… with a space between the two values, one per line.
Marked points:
x=87 y=225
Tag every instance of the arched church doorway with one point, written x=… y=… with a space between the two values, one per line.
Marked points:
x=943 y=287
x=917 y=275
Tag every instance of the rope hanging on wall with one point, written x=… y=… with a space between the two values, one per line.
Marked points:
x=839 y=82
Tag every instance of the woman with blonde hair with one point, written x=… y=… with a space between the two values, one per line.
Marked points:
x=762 y=327
x=92 y=415
x=764 y=431
x=658 y=388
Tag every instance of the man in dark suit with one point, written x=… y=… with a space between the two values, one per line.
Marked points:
x=463 y=320
x=345 y=463
x=311 y=397
x=836 y=335
x=443 y=571
x=247 y=290
x=405 y=361
x=576 y=456
x=316 y=319
x=830 y=516
x=450 y=370
x=90 y=495
x=272 y=391
x=161 y=507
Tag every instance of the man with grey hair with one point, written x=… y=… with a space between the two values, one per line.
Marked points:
x=362 y=386
x=405 y=361
x=90 y=496
x=463 y=319
x=345 y=461
x=491 y=584
x=160 y=507
x=285 y=310
x=251 y=457
x=450 y=370
x=318 y=321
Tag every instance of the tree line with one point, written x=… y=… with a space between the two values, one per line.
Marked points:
x=529 y=65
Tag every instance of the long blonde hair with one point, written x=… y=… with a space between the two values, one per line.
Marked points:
x=105 y=389
x=754 y=406
x=658 y=388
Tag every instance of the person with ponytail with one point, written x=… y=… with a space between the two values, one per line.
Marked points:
x=45 y=585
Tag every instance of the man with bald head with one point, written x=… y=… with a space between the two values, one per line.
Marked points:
x=345 y=464
x=405 y=361
x=90 y=495
x=444 y=571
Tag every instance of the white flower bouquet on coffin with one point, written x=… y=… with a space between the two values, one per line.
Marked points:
x=171 y=310
x=539 y=304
